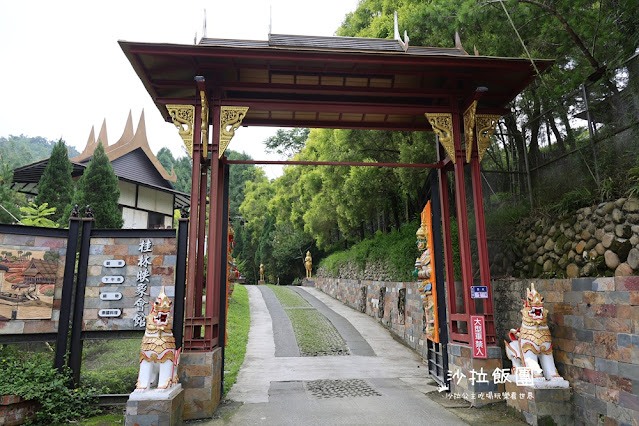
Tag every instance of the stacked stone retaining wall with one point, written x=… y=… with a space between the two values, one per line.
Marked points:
x=601 y=240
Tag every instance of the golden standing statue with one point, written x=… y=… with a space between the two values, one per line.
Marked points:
x=261 y=272
x=308 y=264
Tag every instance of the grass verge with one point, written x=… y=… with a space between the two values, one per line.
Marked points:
x=314 y=333
x=288 y=298
x=111 y=366
x=237 y=324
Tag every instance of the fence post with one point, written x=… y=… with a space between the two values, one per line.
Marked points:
x=67 y=294
x=591 y=131
x=75 y=356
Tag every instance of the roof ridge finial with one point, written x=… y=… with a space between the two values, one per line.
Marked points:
x=102 y=136
x=396 y=29
x=397 y=37
x=458 y=43
x=204 y=26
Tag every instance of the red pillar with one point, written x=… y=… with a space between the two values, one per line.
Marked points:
x=199 y=276
x=482 y=244
x=191 y=280
x=462 y=212
x=211 y=334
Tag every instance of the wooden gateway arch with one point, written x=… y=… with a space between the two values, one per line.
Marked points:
x=327 y=82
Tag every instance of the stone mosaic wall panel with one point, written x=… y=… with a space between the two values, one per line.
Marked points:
x=594 y=323
x=409 y=327
x=31 y=275
x=120 y=297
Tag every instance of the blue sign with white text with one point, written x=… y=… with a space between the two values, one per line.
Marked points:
x=479 y=291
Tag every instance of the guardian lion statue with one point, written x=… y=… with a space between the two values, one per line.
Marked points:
x=158 y=357
x=531 y=344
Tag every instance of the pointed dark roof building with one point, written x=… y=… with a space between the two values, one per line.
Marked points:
x=147 y=197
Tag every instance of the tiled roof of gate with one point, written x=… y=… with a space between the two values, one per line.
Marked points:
x=353 y=44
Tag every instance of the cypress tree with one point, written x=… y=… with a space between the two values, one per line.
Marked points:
x=98 y=188
x=56 y=184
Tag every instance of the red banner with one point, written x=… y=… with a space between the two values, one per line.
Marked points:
x=478 y=336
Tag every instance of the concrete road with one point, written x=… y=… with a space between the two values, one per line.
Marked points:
x=382 y=382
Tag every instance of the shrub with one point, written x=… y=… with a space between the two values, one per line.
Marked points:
x=574 y=200
x=33 y=377
x=397 y=250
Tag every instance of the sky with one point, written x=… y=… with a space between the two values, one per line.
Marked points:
x=62 y=70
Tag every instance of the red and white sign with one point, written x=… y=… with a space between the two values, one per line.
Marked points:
x=478 y=336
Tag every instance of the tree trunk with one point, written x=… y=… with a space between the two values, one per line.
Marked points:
x=513 y=131
x=560 y=142
x=570 y=134
x=534 y=124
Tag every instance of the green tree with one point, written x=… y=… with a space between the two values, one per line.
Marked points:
x=98 y=188
x=38 y=215
x=165 y=157
x=239 y=175
x=181 y=167
x=18 y=151
x=9 y=198
x=287 y=142
x=55 y=187
x=588 y=38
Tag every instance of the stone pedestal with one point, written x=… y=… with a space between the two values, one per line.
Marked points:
x=200 y=374
x=156 y=407
x=261 y=282
x=478 y=392
x=542 y=406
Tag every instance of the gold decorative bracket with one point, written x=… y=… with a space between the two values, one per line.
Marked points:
x=485 y=125
x=205 y=124
x=183 y=117
x=230 y=119
x=469 y=127
x=442 y=124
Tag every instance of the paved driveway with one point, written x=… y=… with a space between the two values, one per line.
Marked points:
x=381 y=382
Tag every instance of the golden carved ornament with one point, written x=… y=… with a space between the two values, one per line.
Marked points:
x=442 y=124
x=540 y=350
x=169 y=356
x=183 y=117
x=205 y=124
x=469 y=127
x=230 y=119
x=537 y=336
x=485 y=126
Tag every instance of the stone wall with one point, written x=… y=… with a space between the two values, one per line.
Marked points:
x=16 y=411
x=595 y=327
x=601 y=240
x=201 y=375
x=407 y=325
x=162 y=256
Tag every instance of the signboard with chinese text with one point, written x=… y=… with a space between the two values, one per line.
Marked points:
x=478 y=336
x=125 y=273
